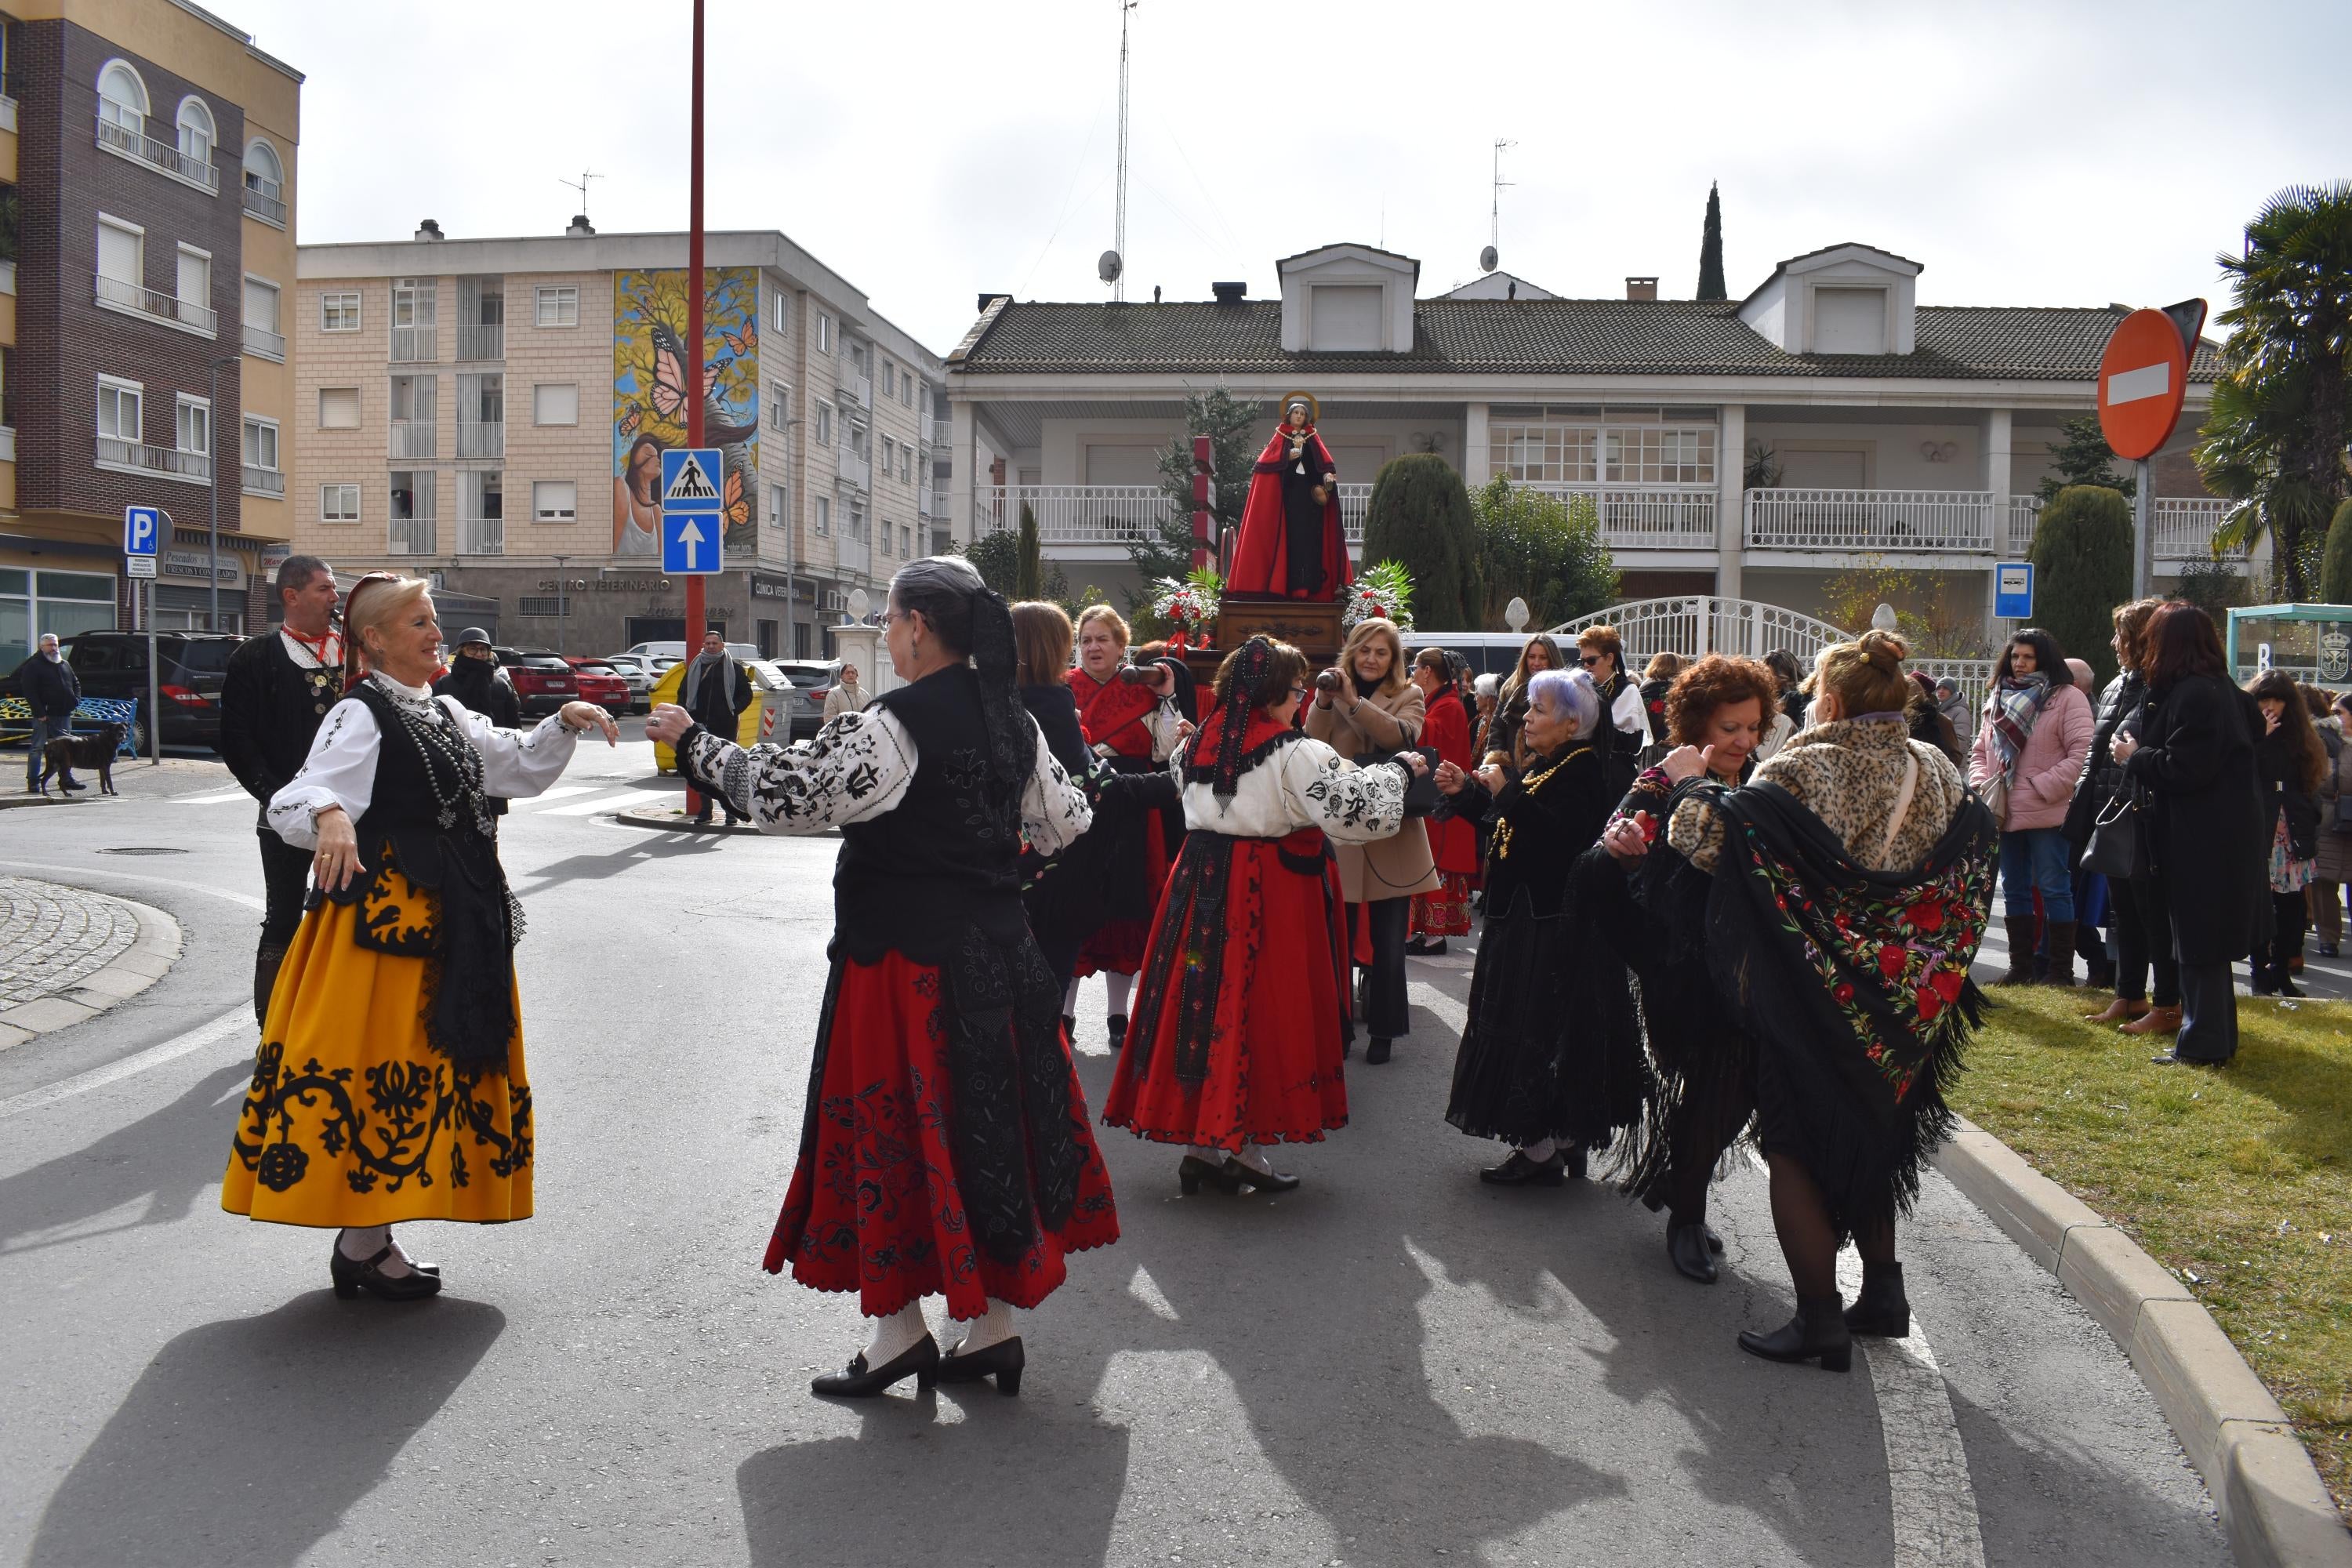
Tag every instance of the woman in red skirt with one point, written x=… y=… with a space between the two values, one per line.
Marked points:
x=944 y=1146
x=1241 y=1018
x=1453 y=842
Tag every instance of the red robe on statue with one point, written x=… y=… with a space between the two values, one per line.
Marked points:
x=1280 y=510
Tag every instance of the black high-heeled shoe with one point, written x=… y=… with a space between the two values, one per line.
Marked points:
x=1518 y=1171
x=1192 y=1171
x=1880 y=1309
x=1257 y=1180
x=1117 y=1024
x=351 y=1276
x=1377 y=1052
x=1693 y=1257
x=1818 y=1333
x=855 y=1381
x=1002 y=1361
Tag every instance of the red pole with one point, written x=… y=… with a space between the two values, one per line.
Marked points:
x=694 y=604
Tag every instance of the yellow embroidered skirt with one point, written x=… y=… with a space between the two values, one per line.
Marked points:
x=352 y=1118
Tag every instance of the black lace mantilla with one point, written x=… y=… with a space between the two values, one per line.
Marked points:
x=1206 y=773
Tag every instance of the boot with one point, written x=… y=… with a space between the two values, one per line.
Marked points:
x=2021 y=936
x=2061 y=954
x=2122 y=1010
x=1880 y=1309
x=1818 y=1331
x=2154 y=1021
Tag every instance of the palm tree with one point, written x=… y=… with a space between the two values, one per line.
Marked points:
x=2275 y=441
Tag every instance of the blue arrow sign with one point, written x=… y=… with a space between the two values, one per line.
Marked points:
x=143 y=529
x=690 y=544
x=692 y=478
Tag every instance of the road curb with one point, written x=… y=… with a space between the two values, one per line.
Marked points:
x=147 y=959
x=2272 y=1501
x=672 y=819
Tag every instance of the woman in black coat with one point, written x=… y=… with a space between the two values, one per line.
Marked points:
x=2203 y=825
x=2289 y=763
x=2142 y=931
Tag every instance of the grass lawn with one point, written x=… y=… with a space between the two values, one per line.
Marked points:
x=2239 y=1181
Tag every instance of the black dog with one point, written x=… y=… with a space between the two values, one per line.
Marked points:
x=85 y=749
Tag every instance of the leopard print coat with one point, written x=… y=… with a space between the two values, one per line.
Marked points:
x=1848 y=773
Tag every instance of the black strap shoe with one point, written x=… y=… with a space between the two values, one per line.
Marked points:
x=351 y=1276
x=1192 y=1170
x=1257 y=1180
x=1693 y=1258
x=1002 y=1361
x=856 y=1382
x=1518 y=1171
x=1818 y=1333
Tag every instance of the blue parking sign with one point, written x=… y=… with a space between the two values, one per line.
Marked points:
x=143 y=529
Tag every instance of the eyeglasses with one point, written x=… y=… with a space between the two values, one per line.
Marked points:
x=1591 y=660
x=1298 y=691
x=888 y=617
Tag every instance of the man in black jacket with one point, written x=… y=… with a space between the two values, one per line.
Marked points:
x=276 y=693
x=51 y=690
x=475 y=680
x=716 y=690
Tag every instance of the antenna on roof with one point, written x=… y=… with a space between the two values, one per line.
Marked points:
x=1491 y=255
x=1112 y=268
x=580 y=185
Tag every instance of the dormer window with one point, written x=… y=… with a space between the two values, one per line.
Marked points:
x=1347 y=299
x=1844 y=299
x=1849 y=321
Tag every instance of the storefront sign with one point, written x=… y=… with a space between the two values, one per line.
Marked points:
x=606 y=586
x=799 y=590
x=191 y=563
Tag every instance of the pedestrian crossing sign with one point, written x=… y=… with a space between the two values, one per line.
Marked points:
x=690 y=480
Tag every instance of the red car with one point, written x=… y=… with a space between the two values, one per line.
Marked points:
x=540 y=678
x=599 y=683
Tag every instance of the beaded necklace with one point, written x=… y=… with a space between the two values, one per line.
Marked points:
x=453 y=769
x=1531 y=781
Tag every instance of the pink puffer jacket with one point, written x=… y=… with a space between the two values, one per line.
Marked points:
x=2054 y=754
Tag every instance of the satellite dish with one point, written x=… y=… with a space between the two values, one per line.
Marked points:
x=1109 y=267
x=1515 y=614
x=859 y=604
x=1487 y=259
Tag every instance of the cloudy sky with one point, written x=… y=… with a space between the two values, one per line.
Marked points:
x=2045 y=153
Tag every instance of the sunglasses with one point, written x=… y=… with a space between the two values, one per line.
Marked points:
x=1592 y=660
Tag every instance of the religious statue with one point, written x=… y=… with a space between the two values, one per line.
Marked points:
x=1291 y=544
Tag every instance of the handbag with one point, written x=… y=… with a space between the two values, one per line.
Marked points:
x=2114 y=850
x=2343 y=823
x=1994 y=792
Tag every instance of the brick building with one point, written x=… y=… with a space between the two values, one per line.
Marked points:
x=149 y=149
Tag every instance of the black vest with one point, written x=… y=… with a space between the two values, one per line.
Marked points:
x=270 y=710
x=946 y=858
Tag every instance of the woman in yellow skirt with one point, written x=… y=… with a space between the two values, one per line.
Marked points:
x=390 y=1084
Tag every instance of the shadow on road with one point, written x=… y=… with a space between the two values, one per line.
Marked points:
x=245 y=1441
x=597 y=868
x=168 y=1159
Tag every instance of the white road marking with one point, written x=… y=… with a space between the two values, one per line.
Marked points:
x=1146 y=1290
x=1928 y=1484
x=110 y=874
x=222 y=798
x=621 y=801
x=235 y=1021
x=1449 y=1012
x=558 y=793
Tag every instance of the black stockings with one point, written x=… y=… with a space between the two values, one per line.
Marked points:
x=1808 y=1241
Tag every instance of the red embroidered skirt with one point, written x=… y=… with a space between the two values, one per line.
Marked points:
x=1277 y=1020
x=874 y=1189
x=1445 y=912
x=1116 y=946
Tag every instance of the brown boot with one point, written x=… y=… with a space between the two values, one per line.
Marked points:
x=2122 y=1010
x=2021 y=935
x=2154 y=1021
x=2061 y=954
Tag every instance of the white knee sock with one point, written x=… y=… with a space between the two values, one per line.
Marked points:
x=1120 y=985
x=1070 y=1000
x=1541 y=1149
x=1255 y=1158
x=897 y=1334
x=994 y=1325
x=361 y=1243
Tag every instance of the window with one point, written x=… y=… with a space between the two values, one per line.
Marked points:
x=555 y=403
x=339 y=408
x=196 y=289
x=121 y=97
x=822 y=525
x=784 y=312
x=857 y=529
x=339 y=311
x=558 y=307
x=121 y=259
x=554 y=500
x=338 y=503
x=906 y=390
x=118 y=408
x=1589 y=445
x=889 y=455
x=192 y=423
x=906 y=540
x=780 y=405
x=1850 y=321
x=195 y=131
x=415 y=319
x=889 y=379
x=823 y=334
x=775 y=506
x=907 y=463
x=261 y=304
x=824 y=424
x=264 y=175
x=260 y=442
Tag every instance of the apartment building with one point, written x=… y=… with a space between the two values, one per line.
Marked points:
x=1741 y=453
x=491 y=412
x=147 y=154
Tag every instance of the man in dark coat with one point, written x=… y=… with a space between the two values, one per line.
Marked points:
x=475 y=680
x=51 y=690
x=273 y=695
x=715 y=689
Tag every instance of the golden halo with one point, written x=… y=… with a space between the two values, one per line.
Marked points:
x=1314 y=409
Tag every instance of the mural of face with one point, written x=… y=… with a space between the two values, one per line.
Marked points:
x=654 y=381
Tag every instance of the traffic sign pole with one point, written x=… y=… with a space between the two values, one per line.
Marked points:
x=694 y=349
x=2143 y=534
x=154 y=688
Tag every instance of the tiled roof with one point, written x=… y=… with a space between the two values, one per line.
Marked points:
x=1559 y=337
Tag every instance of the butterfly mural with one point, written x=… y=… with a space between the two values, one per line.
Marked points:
x=655 y=379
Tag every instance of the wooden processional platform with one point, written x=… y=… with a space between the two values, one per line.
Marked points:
x=1312 y=627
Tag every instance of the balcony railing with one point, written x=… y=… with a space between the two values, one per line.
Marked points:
x=481 y=439
x=167 y=462
x=143 y=300
x=935 y=430
x=415 y=345
x=410 y=536
x=2024 y=517
x=414 y=438
x=1871 y=521
x=265 y=482
x=481 y=536
x=261 y=341
x=853 y=469
x=265 y=201
x=856 y=386
x=485 y=340
x=1077 y=514
x=1655 y=517
x=2185 y=525
x=163 y=155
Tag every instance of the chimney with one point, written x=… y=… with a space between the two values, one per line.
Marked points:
x=1229 y=293
x=1641 y=287
x=429 y=229
x=988 y=297
x=580 y=227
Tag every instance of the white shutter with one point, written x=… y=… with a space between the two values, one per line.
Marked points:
x=118 y=254
x=260 y=305
x=556 y=402
x=195 y=278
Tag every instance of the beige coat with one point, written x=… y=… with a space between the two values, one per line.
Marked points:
x=1388 y=867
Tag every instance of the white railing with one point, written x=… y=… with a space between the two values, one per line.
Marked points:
x=163 y=155
x=410 y=536
x=2024 y=517
x=1662 y=517
x=415 y=439
x=265 y=201
x=853 y=554
x=265 y=482
x=481 y=439
x=935 y=430
x=853 y=469
x=261 y=341
x=1355 y=503
x=855 y=386
x=415 y=345
x=167 y=461
x=154 y=303
x=2185 y=525
x=1072 y=514
x=1870 y=519
x=483 y=340
x=481 y=536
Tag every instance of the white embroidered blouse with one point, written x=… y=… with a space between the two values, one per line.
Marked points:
x=340 y=768
x=1304 y=784
x=858 y=767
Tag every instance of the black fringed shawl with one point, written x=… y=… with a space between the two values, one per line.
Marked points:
x=1853 y=983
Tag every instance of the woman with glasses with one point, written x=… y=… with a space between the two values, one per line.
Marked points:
x=1602 y=653
x=1241 y=1020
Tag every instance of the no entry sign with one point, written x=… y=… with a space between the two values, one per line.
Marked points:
x=2143 y=376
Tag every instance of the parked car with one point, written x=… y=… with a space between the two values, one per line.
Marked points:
x=541 y=678
x=813 y=682
x=674 y=651
x=607 y=684
x=189 y=668
x=648 y=665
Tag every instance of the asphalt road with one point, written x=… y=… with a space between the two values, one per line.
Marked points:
x=1394 y=1365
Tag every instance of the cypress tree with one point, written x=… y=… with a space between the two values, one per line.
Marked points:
x=1420 y=517
x=2081 y=559
x=1710 y=250
x=2336 y=566
x=1030 y=582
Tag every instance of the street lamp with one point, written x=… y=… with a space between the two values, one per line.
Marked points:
x=563 y=602
x=211 y=456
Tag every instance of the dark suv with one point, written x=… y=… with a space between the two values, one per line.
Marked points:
x=542 y=677
x=190 y=667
